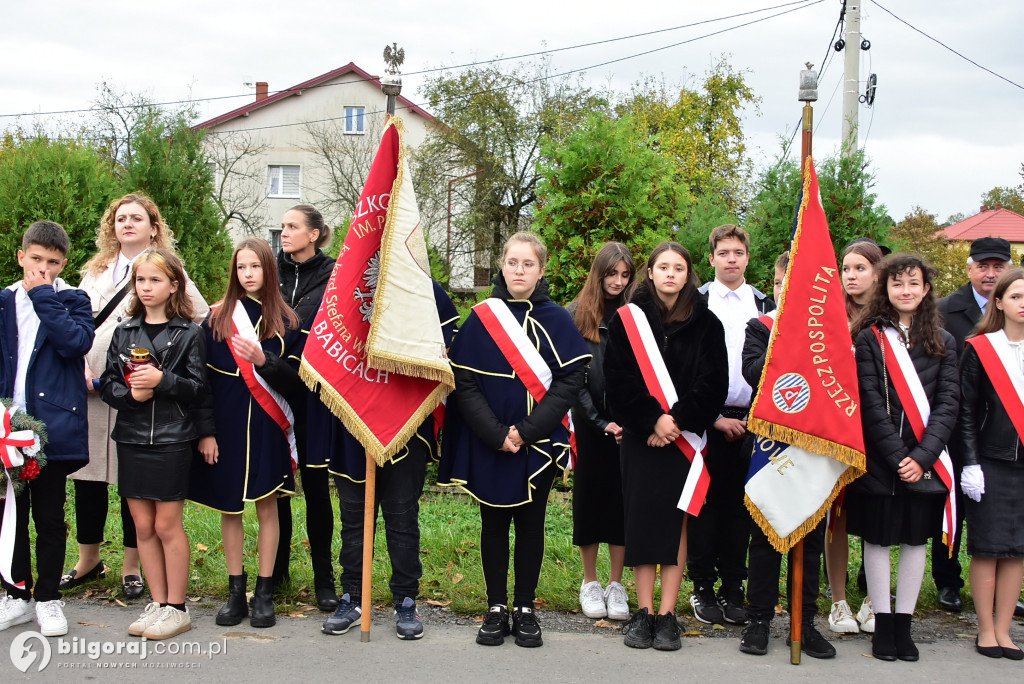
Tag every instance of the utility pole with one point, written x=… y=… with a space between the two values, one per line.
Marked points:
x=851 y=78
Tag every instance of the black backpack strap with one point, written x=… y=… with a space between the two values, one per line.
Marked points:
x=111 y=305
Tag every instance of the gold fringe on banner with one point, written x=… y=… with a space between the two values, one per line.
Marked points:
x=812 y=443
x=380 y=452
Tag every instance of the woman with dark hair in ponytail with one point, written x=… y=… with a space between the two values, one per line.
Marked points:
x=666 y=369
x=304 y=270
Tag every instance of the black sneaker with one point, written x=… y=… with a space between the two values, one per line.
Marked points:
x=754 y=639
x=407 y=620
x=639 y=630
x=346 y=616
x=705 y=607
x=495 y=627
x=733 y=611
x=526 y=628
x=666 y=633
x=813 y=644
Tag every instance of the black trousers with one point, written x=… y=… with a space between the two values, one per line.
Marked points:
x=717 y=539
x=765 y=566
x=43 y=499
x=316 y=490
x=397 y=496
x=495 y=525
x=91 y=514
x=946 y=571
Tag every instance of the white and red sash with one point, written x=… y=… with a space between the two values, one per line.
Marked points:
x=519 y=351
x=11 y=444
x=1000 y=364
x=917 y=409
x=267 y=397
x=659 y=385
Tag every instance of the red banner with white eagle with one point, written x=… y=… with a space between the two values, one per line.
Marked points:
x=375 y=348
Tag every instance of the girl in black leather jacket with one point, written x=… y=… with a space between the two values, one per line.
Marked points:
x=993 y=459
x=155 y=431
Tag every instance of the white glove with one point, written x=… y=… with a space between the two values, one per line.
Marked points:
x=972 y=482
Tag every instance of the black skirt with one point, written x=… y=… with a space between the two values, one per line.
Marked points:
x=995 y=526
x=597 y=516
x=156 y=473
x=885 y=520
x=652 y=482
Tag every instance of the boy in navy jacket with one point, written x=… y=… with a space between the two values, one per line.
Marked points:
x=46 y=328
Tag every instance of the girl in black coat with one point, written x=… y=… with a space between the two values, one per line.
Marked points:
x=993 y=473
x=154 y=430
x=691 y=341
x=887 y=505
x=597 y=480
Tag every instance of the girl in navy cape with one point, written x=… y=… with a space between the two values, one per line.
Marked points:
x=501 y=445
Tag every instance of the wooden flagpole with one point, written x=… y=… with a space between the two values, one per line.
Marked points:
x=369 y=520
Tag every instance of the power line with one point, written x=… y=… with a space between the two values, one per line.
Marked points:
x=548 y=77
x=958 y=54
x=804 y=3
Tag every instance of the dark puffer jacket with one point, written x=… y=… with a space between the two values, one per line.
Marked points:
x=888 y=436
x=697 y=360
x=986 y=430
x=591 y=403
x=303 y=284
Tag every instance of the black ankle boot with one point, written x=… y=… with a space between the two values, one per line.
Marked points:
x=883 y=643
x=236 y=609
x=905 y=647
x=263 y=603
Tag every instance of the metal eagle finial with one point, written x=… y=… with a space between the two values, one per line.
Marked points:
x=394 y=56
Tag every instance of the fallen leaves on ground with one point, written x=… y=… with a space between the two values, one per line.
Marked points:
x=202 y=547
x=438 y=604
x=692 y=632
x=87 y=623
x=606 y=625
x=717 y=626
x=457 y=577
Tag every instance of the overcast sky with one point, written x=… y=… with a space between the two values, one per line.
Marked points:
x=941 y=132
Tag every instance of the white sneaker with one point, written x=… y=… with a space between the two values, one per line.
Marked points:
x=841 y=620
x=169 y=622
x=148 y=617
x=592 y=600
x=617 y=602
x=866 y=616
x=51 y=618
x=14 y=611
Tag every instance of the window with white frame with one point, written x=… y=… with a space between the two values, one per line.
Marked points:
x=283 y=180
x=355 y=120
x=275 y=240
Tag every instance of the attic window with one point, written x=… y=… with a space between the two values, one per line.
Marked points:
x=283 y=181
x=355 y=120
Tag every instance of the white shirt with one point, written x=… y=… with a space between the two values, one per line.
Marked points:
x=123 y=266
x=28 y=328
x=734 y=308
x=981 y=299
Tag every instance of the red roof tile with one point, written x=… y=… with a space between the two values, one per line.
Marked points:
x=297 y=90
x=994 y=222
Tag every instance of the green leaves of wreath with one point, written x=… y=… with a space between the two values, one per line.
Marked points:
x=23 y=474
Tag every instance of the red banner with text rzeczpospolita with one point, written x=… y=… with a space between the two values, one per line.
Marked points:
x=375 y=348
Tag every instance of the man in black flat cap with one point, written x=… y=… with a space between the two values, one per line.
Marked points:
x=961 y=311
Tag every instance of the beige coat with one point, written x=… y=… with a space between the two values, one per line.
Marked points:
x=102 y=450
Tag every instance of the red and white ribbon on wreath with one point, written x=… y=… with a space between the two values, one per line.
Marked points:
x=659 y=385
x=917 y=409
x=266 y=396
x=526 y=361
x=12 y=447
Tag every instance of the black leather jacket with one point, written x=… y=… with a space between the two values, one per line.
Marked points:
x=986 y=430
x=165 y=419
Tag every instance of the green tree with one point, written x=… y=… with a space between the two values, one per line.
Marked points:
x=169 y=164
x=492 y=121
x=603 y=183
x=701 y=131
x=65 y=181
x=919 y=231
x=1009 y=198
x=850 y=207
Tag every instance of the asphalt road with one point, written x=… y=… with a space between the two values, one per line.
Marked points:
x=295 y=650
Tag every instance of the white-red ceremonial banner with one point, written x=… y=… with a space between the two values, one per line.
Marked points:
x=526 y=361
x=13 y=445
x=266 y=396
x=806 y=412
x=659 y=385
x=375 y=349
x=917 y=409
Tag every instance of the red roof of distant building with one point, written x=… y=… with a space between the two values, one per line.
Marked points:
x=297 y=90
x=999 y=222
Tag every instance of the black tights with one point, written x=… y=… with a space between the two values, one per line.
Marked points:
x=495 y=524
